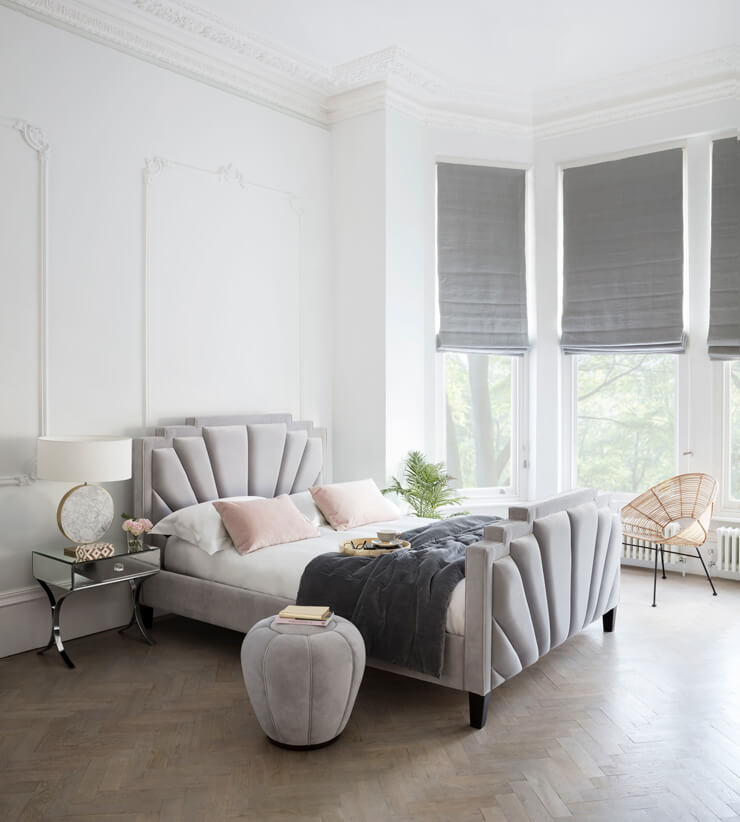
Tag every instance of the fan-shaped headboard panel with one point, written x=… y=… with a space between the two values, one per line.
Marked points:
x=211 y=457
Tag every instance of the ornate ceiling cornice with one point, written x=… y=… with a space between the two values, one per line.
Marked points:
x=707 y=77
x=193 y=41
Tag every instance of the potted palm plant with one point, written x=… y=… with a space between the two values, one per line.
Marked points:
x=424 y=486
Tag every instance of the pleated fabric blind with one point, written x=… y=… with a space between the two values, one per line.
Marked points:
x=724 y=311
x=623 y=255
x=481 y=259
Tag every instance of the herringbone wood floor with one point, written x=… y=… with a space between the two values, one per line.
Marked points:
x=642 y=724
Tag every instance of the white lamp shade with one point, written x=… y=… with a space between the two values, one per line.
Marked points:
x=84 y=459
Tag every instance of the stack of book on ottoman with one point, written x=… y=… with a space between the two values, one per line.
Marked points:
x=317 y=615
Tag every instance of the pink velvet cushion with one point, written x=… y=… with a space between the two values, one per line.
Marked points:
x=258 y=523
x=348 y=504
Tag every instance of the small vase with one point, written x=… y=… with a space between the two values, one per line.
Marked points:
x=135 y=543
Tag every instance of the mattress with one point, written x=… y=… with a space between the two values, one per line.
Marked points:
x=276 y=571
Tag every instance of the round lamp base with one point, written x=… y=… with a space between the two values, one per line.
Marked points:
x=85 y=513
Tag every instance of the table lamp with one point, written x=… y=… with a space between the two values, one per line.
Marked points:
x=85 y=513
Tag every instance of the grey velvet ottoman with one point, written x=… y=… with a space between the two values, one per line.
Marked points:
x=302 y=680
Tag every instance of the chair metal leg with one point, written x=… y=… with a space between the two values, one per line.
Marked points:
x=655 y=576
x=703 y=565
x=662 y=560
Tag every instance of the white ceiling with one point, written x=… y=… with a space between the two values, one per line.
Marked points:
x=522 y=47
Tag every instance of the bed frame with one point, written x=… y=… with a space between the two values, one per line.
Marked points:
x=535 y=579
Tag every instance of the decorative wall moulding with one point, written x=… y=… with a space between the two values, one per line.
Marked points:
x=194 y=42
x=229 y=175
x=19 y=480
x=35 y=138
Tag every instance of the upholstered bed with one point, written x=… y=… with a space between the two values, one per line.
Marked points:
x=535 y=579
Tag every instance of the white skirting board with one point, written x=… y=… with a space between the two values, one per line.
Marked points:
x=691 y=566
x=25 y=617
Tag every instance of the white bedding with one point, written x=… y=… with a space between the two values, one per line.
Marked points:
x=276 y=571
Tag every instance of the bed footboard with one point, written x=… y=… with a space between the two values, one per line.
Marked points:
x=534 y=581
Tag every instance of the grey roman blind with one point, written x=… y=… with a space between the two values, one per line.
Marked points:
x=481 y=259
x=724 y=311
x=623 y=255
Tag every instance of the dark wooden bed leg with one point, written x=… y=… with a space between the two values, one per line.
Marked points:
x=147 y=615
x=478 y=709
x=609 y=620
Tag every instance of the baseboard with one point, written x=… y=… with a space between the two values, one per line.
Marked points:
x=19 y=595
x=25 y=619
x=691 y=566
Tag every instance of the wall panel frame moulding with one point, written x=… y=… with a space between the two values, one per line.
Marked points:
x=35 y=139
x=155 y=172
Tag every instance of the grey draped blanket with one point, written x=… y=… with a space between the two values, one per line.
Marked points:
x=398 y=601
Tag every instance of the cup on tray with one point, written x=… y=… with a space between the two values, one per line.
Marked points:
x=388 y=536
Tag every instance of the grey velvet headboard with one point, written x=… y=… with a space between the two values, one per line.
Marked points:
x=211 y=457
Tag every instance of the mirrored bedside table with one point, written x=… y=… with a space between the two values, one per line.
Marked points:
x=53 y=569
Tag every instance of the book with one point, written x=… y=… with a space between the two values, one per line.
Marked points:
x=317 y=623
x=316 y=612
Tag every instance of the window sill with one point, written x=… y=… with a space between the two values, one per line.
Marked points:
x=495 y=506
x=730 y=519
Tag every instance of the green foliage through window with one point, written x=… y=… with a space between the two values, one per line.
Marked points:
x=625 y=420
x=479 y=396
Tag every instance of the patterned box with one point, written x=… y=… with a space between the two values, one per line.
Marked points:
x=96 y=550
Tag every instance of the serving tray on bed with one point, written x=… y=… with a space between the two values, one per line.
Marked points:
x=369 y=547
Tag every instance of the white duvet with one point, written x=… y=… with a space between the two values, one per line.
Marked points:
x=276 y=571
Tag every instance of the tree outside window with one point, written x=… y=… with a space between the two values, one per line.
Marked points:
x=479 y=397
x=625 y=420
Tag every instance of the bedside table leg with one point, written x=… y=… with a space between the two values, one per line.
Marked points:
x=136 y=615
x=56 y=635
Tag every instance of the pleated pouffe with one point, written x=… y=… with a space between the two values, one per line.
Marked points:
x=302 y=680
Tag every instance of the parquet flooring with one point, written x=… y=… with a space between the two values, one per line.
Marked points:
x=642 y=724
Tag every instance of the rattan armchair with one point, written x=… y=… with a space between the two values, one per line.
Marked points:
x=685 y=502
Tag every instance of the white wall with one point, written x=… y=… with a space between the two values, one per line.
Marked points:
x=251 y=343
x=358 y=185
x=406 y=288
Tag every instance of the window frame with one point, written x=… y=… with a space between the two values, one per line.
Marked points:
x=727 y=503
x=519 y=424
x=520 y=461
x=570 y=374
x=568 y=457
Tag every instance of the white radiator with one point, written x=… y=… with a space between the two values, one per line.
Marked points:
x=642 y=549
x=728 y=549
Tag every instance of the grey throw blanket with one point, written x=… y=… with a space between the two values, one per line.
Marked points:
x=398 y=601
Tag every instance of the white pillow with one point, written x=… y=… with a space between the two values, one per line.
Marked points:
x=304 y=503
x=200 y=525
